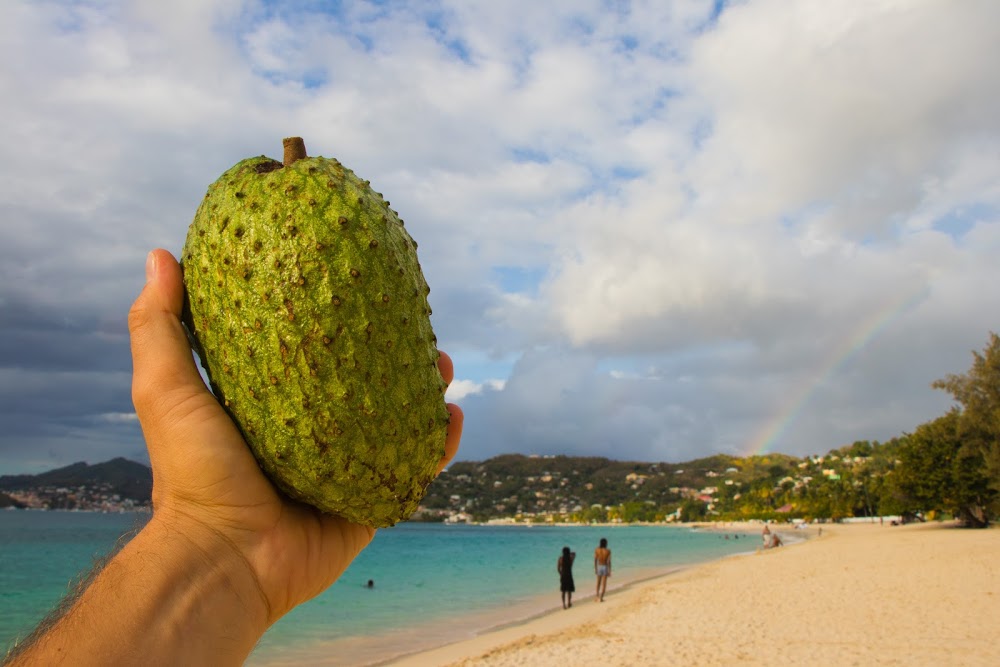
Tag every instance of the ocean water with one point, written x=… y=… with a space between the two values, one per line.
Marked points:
x=434 y=583
x=42 y=554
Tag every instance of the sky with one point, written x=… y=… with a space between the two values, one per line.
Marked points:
x=653 y=231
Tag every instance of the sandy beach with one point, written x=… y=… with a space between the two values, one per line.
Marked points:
x=859 y=594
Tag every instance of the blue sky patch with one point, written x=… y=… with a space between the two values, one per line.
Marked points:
x=526 y=154
x=518 y=279
x=957 y=222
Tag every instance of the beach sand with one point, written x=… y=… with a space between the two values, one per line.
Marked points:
x=859 y=594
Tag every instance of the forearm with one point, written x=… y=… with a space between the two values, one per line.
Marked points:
x=170 y=597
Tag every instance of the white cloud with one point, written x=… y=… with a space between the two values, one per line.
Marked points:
x=850 y=105
x=710 y=217
x=823 y=138
x=459 y=389
x=118 y=417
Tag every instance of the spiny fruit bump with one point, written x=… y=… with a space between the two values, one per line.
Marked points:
x=308 y=309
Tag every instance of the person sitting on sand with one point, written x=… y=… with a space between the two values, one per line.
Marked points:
x=767 y=537
x=565 y=568
x=602 y=567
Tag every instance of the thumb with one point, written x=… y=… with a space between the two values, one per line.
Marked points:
x=162 y=363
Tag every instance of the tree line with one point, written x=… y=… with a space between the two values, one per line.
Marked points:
x=952 y=463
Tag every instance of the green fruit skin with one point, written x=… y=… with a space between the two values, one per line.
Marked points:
x=308 y=310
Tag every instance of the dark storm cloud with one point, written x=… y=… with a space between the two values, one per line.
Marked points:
x=55 y=416
x=50 y=340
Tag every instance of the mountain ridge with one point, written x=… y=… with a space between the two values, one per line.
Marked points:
x=119 y=475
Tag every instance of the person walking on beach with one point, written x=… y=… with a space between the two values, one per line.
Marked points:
x=565 y=568
x=602 y=567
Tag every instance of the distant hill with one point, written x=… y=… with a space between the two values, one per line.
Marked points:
x=588 y=480
x=126 y=478
x=514 y=484
x=850 y=481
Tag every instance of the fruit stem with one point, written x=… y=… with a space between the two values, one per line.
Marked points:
x=295 y=149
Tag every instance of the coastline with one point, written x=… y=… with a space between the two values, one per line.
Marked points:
x=920 y=594
x=419 y=635
x=416 y=639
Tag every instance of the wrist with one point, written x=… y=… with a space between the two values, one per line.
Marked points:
x=187 y=593
x=216 y=580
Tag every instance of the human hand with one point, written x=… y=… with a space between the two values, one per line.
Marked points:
x=207 y=488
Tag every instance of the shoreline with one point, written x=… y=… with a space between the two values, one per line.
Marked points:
x=429 y=637
x=555 y=619
x=920 y=594
x=414 y=642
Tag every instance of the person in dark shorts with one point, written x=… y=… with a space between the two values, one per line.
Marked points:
x=565 y=568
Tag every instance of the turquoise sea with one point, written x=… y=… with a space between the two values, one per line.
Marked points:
x=434 y=583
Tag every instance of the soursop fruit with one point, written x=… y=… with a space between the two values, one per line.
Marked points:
x=308 y=309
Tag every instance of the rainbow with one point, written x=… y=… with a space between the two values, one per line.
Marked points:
x=843 y=353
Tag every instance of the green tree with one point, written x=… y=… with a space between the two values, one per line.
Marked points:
x=978 y=394
x=938 y=472
x=693 y=510
x=861 y=448
x=633 y=511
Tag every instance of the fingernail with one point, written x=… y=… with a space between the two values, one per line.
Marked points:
x=150 y=266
